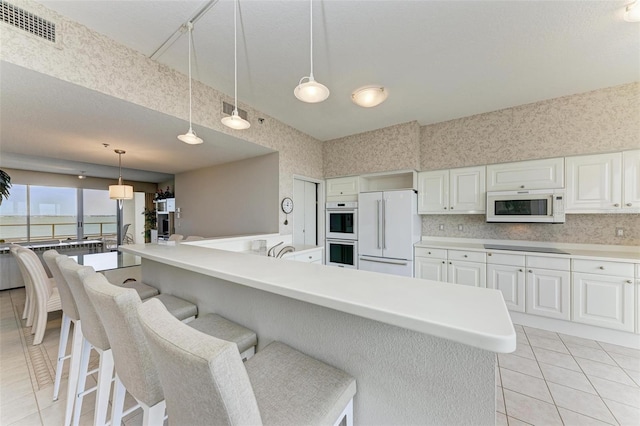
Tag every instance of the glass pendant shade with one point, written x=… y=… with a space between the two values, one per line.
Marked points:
x=234 y=121
x=632 y=12
x=311 y=91
x=190 y=137
x=369 y=96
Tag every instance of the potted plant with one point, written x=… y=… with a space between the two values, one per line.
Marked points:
x=150 y=224
x=5 y=184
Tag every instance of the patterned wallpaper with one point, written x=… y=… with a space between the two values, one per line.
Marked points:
x=391 y=148
x=96 y=62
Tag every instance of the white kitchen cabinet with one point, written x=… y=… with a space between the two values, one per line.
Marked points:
x=548 y=293
x=431 y=264
x=314 y=255
x=631 y=181
x=534 y=174
x=594 y=183
x=467 y=273
x=454 y=191
x=342 y=189
x=604 y=294
x=505 y=272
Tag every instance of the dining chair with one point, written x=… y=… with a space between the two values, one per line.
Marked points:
x=135 y=371
x=205 y=382
x=47 y=297
x=29 y=306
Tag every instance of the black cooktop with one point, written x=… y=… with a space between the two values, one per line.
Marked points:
x=523 y=248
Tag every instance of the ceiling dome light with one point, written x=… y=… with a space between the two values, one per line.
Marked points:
x=632 y=12
x=234 y=121
x=369 y=96
x=311 y=92
x=190 y=137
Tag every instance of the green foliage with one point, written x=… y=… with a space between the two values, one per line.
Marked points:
x=5 y=184
x=150 y=222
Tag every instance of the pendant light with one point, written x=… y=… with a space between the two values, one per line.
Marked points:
x=234 y=121
x=120 y=191
x=190 y=137
x=311 y=91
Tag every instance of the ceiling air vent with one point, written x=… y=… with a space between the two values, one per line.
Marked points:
x=227 y=108
x=27 y=21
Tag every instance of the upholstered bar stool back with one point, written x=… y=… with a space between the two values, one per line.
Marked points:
x=203 y=378
x=117 y=308
x=29 y=302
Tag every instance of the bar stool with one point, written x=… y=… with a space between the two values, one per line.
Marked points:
x=29 y=307
x=69 y=315
x=205 y=382
x=135 y=371
x=175 y=237
x=47 y=297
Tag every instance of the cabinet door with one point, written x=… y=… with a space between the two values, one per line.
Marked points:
x=510 y=281
x=433 y=192
x=467 y=273
x=398 y=224
x=548 y=293
x=431 y=269
x=594 y=183
x=606 y=301
x=370 y=224
x=467 y=192
x=631 y=183
x=342 y=186
x=535 y=174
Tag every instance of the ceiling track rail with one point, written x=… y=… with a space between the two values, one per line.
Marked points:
x=182 y=29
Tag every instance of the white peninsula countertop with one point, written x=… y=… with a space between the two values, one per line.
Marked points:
x=476 y=317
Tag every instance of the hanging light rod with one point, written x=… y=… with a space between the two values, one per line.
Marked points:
x=181 y=29
x=190 y=137
x=311 y=91
x=234 y=121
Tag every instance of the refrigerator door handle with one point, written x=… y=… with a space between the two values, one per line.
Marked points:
x=384 y=224
x=378 y=223
x=388 y=261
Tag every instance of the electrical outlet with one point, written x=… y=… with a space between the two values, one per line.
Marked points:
x=460 y=228
x=441 y=227
x=619 y=232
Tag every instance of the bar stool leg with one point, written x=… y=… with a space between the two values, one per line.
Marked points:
x=82 y=379
x=105 y=374
x=74 y=370
x=65 y=327
x=119 y=392
x=153 y=416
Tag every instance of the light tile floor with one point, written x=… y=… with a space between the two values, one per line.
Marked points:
x=550 y=379
x=556 y=379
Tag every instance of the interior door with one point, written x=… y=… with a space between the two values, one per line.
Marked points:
x=370 y=224
x=398 y=207
x=305 y=212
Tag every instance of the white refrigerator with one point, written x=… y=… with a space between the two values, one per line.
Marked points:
x=388 y=227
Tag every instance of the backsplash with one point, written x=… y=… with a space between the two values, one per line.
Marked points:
x=578 y=229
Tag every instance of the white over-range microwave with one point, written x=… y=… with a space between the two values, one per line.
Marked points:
x=522 y=206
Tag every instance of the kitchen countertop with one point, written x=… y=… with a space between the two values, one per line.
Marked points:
x=472 y=316
x=576 y=251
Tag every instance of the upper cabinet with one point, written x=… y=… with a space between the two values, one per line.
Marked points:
x=594 y=183
x=631 y=180
x=454 y=191
x=342 y=189
x=535 y=174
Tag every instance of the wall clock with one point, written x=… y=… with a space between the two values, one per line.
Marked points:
x=287 y=207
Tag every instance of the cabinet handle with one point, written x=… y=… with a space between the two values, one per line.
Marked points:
x=629 y=204
x=445 y=208
x=616 y=205
x=601 y=267
x=488 y=254
x=429 y=252
x=522 y=186
x=443 y=262
x=520 y=270
x=466 y=255
x=530 y=271
x=450 y=208
x=629 y=282
x=450 y=263
x=310 y=257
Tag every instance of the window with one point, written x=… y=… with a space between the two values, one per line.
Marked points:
x=14 y=215
x=53 y=212
x=99 y=213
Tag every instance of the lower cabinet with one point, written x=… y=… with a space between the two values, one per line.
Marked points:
x=510 y=280
x=431 y=269
x=606 y=301
x=467 y=273
x=548 y=293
